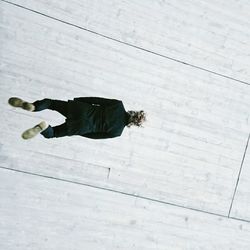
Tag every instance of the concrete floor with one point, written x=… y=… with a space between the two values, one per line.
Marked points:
x=182 y=181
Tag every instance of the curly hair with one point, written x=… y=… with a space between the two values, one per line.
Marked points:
x=136 y=118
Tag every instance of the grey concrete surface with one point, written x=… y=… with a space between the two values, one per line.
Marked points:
x=182 y=181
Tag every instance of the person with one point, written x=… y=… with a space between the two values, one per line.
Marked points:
x=91 y=117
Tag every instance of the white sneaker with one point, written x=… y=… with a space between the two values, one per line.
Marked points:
x=32 y=132
x=19 y=103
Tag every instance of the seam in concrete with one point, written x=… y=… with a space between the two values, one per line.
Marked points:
x=128 y=44
x=123 y=193
x=236 y=186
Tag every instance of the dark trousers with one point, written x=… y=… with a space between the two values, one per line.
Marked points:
x=59 y=106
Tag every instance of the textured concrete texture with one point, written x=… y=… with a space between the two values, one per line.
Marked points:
x=182 y=181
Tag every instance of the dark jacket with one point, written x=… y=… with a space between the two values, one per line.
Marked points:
x=96 y=117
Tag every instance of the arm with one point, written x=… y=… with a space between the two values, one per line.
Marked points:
x=97 y=100
x=100 y=135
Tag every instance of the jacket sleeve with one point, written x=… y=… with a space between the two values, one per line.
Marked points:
x=100 y=135
x=97 y=100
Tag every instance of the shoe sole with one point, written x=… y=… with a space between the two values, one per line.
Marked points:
x=32 y=132
x=16 y=102
x=19 y=103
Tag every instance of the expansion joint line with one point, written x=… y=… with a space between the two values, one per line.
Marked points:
x=128 y=44
x=236 y=186
x=122 y=193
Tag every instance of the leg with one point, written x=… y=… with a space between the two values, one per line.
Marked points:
x=57 y=105
x=58 y=131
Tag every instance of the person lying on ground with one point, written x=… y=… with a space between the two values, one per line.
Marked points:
x=91 y=117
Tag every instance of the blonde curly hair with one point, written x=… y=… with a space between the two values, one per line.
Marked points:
x=136 y=118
